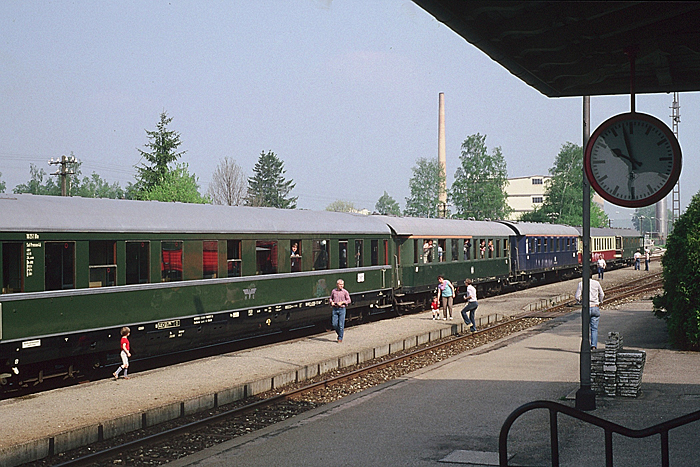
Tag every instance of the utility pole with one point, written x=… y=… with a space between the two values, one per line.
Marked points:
x=676 y=203
x=63 y=171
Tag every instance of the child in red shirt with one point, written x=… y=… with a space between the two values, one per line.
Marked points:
x=435 y=306
x=125 y=354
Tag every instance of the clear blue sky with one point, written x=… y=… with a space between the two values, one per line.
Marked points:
x=344 y=92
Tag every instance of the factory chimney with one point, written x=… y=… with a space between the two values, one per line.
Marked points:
x=442 y=161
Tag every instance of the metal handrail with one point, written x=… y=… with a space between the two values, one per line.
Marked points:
x=609 y=427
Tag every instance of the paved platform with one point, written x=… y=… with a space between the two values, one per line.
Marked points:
x=451 y=413
x=59 y=420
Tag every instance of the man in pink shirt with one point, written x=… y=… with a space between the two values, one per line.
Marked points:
x=340 y=299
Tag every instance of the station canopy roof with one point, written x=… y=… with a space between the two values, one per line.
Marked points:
x=578 y=48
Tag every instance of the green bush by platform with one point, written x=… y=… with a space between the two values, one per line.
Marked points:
x=679 y=305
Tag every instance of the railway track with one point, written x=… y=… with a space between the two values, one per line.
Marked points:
x=185 y=436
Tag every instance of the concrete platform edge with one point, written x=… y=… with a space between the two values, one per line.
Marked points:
x=34 y=450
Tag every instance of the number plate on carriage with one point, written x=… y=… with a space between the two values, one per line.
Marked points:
x=173 y=323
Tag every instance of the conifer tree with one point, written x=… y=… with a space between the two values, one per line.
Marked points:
x=163 y=144
x=267 y=186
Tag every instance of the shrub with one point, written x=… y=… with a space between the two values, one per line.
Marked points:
x=679 y=305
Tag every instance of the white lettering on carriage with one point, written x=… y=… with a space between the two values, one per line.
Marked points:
x=250 y=293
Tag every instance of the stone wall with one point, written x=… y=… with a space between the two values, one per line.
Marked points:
x=615 y=371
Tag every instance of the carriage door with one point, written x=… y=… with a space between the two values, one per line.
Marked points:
x=11 y=267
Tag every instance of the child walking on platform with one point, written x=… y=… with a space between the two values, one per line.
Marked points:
x=125 y=354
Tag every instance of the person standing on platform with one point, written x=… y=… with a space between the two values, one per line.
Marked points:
x=435 y=307
x=647 y=258
x=601 y=267
x=447 y=291
x=340 y=299
x=125 y=353
x=637 y=257
x=469 y=310
x=595 y=301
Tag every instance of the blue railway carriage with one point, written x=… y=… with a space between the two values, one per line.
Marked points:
x=181 y=276
x=542 y=251
x=455 y=249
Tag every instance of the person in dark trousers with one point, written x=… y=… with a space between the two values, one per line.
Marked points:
x=125 y=353
x=601 y=267
x=469 y=311
x=340 y=299
x=647 y=258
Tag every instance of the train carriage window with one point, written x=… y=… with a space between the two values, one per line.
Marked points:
x=233 y=258
x=210 y=259
x=103 y=267
x=343 y=254
x=320 y=254
x=545 y=248
x=265 y=257
x=457 y=244
x=138 y=262
x=374 y=252
x=358 y=253
x=505 y=248
x=59 y=266
x=442 y=249
x=11 y=267
x=386 y=252
x=498 y=248
x=490 y=248
x=171 y=261
x=482 y=248
x=295 y=255
x=417 y=251
x=467 y=249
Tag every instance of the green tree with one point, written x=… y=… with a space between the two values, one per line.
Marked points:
x=177 y=186
x=38 y=184
x=679 y=304
x=425 y=186
x=87 y=187
x=267 y=186
x=2 y=185
x=478 y=190
x=96 y=187
x=341 y=206
x=387 y=205
x=563 y=203
x=162 y=153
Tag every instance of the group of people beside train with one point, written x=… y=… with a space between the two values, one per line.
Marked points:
x=638 y=259
x=446 y=292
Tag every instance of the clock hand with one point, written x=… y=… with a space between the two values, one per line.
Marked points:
x=629 y=153
x=619 y=154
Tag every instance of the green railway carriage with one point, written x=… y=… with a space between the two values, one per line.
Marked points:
x=456 y=249
x=181 y=276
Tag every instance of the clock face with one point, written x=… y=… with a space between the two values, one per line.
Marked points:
x=632 y=160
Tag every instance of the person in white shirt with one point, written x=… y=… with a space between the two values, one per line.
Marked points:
x=601 y=267
x=647 y=257
x=637 y=257
x=469 y=310
x=596 y=296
